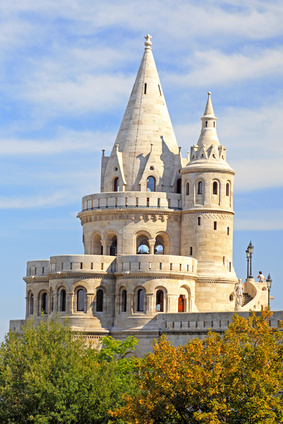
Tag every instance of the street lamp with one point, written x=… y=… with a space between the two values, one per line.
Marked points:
x=249 y=254
x=268 y=283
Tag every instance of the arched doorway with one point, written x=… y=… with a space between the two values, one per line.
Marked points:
x=181 y=303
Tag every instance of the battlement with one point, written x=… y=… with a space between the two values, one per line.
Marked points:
x=132 y=199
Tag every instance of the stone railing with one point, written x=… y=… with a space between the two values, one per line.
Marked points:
x=156 y=263
x=72 y=263
x=203 y=321
x=132 y=199
x=110 y=264
x=39 y=268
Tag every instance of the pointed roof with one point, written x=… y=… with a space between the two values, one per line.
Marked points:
x=208 y=135
x=209 y=112
x=146 y=121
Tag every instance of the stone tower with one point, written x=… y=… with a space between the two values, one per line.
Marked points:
x=157 y=238
x=207 y=218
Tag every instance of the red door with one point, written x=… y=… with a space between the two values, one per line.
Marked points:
x=181 y=303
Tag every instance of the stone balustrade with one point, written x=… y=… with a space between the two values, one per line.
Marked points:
x=132 y=199
x=110 y=264
x=202 y=322
x=156 y=263
x=72 y=263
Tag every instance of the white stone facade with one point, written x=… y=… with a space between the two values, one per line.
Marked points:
x=158 y=238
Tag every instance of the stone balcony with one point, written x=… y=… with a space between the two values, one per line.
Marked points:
x=141 y=263
x=132 y=199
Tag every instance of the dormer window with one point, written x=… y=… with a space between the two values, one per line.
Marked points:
x=116 y=184
x=150 y=185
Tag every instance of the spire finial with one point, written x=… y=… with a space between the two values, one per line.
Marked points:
x=209 y=108
x=148 y=43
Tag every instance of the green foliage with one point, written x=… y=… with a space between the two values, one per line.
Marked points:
x=235 y=379
x=49 y=376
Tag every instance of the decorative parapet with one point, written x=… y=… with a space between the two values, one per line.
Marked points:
x=202 y=322
x=145 y=263
x=132 y=199
x=70 y=264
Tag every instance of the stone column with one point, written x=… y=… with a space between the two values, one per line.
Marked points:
x=151 y=243
x=149 y=303
x=89 y=299
x=69 y=301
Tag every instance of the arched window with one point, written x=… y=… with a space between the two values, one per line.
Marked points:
x=99 y=300
x=179 y=186
x=187 y=189
x=113 y=247
x=215 y=187
x=96 y=246
x=80 y=300
x=44 y=303
x=31 y=304
x=140 y=299
x=227 y=189
x=200 y=187
x=124 y=301
x=150 y=186
x=142 y=244
x=116 y=184
x=62 y=305
x=159 y=301
x=159 y=246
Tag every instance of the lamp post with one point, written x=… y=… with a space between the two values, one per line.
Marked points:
x=249 y=254
x=268 y=283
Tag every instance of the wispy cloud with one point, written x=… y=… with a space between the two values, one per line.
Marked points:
x=65 y=141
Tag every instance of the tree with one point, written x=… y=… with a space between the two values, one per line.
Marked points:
x=235 y=379
x=50 y=376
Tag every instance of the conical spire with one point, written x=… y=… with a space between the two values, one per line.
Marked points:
x=208 y=135
x=146 y=129
x=209 y=112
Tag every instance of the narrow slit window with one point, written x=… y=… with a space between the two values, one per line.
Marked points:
x=187 y=189
x=228 y=231
x=215 y=225
x=199 y=220
x=227 y=189
x=215 y=187
x=145 y=88
x=159 y=89
x=200 y=187
x=191 y=251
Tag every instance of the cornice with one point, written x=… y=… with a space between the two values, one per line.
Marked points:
x=134 y=214
x=156 y=275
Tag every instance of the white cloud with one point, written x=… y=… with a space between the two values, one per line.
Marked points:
x=253 y=141
x=259 y=220
x=213 y=67
x=65 y=141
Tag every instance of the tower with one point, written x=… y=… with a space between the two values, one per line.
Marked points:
x=158 y=238
x=207 y=218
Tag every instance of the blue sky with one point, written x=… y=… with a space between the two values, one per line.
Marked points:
x=66 y=72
